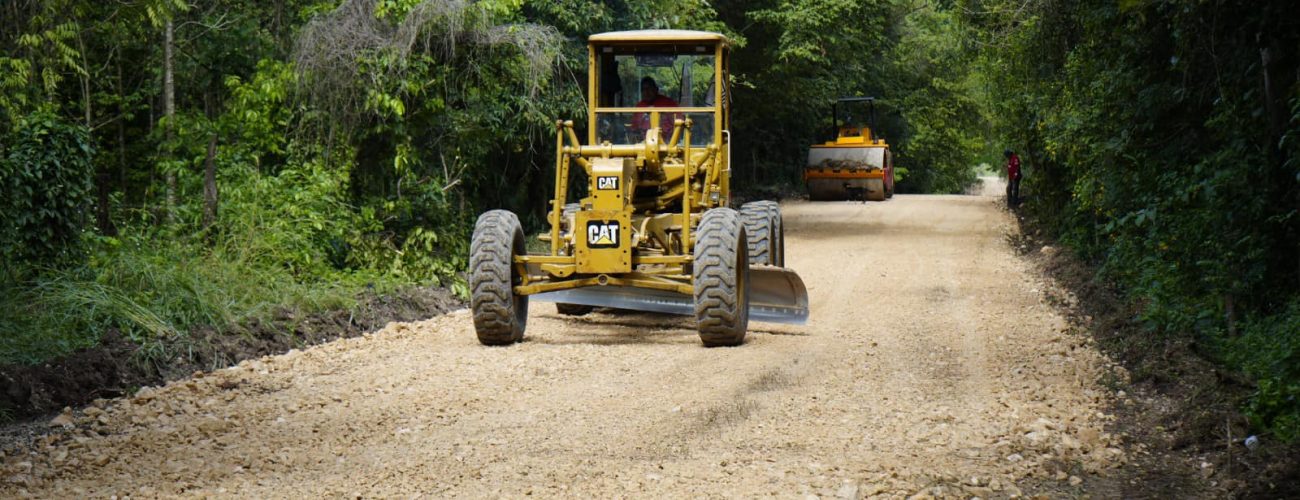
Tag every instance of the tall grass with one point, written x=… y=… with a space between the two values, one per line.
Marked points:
x=152 y=290
x=283 y=240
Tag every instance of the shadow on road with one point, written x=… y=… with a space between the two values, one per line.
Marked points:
x=637 y=328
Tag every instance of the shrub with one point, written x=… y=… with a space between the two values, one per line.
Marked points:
x=45 y=187
x=1269 y=351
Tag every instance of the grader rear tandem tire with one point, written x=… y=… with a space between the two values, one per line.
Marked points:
x=766 y=234
x=721 y=275
x=499 y=314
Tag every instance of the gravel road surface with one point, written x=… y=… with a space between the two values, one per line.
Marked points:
x=931 y=365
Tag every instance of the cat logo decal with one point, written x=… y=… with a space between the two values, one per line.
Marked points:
x=602 y=234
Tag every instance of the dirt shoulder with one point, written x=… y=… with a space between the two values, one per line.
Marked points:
x=1181 y=410
x=116 y=367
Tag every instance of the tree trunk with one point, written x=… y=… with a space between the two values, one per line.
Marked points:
x=1274 y=106
x=121 y=137
x=85 y=81
x=210 y=194
x=169 y=111
x=1277 y=125
x=103 y=218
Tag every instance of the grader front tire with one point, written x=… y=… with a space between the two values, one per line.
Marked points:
x=721 y=273
x=499 y=314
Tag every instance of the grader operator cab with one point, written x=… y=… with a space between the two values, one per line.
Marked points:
x=655 y=230
x=858 y=163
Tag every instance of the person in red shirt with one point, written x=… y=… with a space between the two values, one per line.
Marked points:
x=1013 y=177
x=651 y=98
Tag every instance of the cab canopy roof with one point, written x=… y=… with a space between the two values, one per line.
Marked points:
x=651 y=36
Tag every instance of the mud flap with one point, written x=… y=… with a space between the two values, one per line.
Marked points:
x=776 y=295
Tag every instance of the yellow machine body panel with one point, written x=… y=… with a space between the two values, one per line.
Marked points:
x=604 y=232
x=604 y=243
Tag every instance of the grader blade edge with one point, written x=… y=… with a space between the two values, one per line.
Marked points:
x=776 y=295
x=623 y=297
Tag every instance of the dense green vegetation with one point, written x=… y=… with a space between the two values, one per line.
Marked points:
x=1161 y=142
x=168 y=164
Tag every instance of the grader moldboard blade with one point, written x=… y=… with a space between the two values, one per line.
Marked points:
x=776 y=295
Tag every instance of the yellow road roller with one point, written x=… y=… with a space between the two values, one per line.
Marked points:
x=857 y=164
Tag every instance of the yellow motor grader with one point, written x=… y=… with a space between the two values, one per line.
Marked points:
x=857 y=164
x=655 y=231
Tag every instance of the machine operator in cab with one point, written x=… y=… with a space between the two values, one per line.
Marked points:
x=651 y=98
